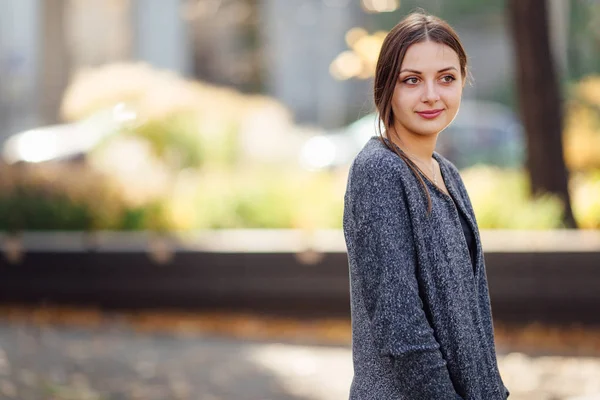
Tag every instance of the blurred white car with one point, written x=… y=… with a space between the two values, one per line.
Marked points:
x=65 y=141
x=482 y=132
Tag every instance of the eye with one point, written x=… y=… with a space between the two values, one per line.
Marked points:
x=448 y=78
x=411 y=81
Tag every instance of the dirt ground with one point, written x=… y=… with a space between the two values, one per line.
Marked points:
x=57 y=354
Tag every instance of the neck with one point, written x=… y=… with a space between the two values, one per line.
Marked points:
x=417 y=145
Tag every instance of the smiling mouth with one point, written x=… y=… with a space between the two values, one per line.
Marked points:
x=430 y=114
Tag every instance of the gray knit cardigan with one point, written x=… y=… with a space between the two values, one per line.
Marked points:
x=421 y=317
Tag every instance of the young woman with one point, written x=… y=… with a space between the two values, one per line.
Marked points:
x=421 y=318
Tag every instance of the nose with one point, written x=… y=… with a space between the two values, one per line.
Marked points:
x=430 y=94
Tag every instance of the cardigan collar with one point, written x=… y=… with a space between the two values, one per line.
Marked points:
x=460 y=204
x=456 y=199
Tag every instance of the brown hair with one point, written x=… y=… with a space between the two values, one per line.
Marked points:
x=415 y=28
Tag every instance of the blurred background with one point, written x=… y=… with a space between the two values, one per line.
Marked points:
x=172 y=175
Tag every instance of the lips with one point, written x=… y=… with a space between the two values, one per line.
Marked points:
x=430 y=114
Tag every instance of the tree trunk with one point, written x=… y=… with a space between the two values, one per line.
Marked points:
x=540 y=101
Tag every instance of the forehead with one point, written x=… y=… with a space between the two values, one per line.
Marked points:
x=430 y=55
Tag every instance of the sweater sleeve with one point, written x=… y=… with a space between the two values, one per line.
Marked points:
x=386 y=268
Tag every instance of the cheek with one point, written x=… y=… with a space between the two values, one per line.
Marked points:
x=405 y=100
x=452 y=95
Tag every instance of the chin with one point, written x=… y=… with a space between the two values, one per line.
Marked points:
x=429 y=131
x=431 y=128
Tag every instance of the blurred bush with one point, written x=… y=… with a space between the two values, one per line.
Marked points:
x=501 y=200
x=202 y=157
x=187 y=123
x=60 y=197
x=582 y=125
x=585 y=193
x=196 y=156
x=257 y=198
x=76 y=198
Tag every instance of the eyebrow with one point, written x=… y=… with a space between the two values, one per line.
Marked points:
x=420 y=73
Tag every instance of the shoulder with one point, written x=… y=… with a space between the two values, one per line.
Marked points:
x=375 y=180
x=375 y=188
x=376 y=163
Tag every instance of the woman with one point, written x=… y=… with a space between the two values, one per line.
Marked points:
x=421 y=318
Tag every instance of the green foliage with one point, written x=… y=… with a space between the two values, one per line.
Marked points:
x=222 y=149
x=29 y=208
x=585 y=189
x=43 y=198
x=178 y=140
x=264 y=206
x=259 y=198
x=584 y=34
x=269 y=199
x=174 y=139
x=454 y=12
x=501 y=200
x=581 y=131
x=151 y=216
x=134 y=219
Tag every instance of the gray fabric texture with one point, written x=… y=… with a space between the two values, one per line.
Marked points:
x=421 y=316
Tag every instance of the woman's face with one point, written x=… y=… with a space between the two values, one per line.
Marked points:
x=428 y=90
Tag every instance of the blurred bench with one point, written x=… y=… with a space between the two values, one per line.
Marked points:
x=546 y=276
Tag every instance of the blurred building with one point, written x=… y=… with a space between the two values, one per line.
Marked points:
x=43 y=42
x=301 y=39
x=19 y=60
x=281 y=48
x=278 y=47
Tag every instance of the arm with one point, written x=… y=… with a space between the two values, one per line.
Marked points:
x=387 y=273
